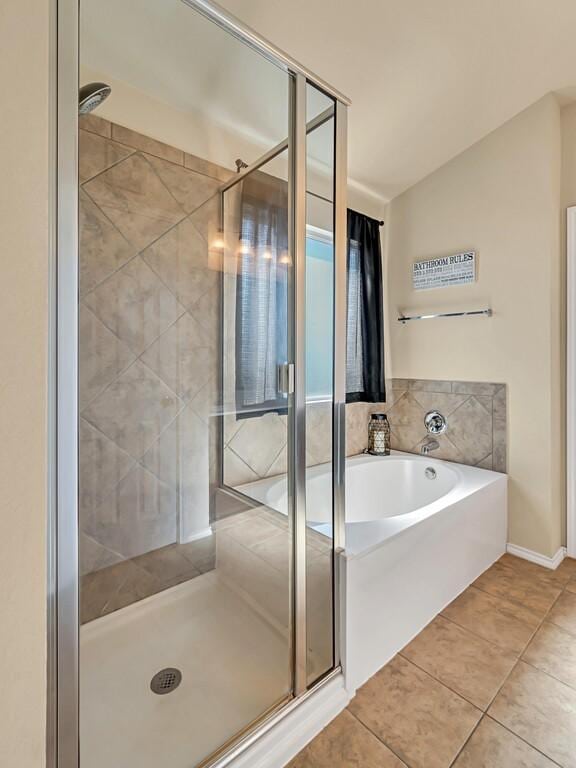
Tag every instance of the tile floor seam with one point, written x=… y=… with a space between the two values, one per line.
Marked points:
x=518 y=659
x=506 y=728
x=533 y=582
x=480 y=637
x=463 y=747
x=510 y=599
x=544 y=672
x=402 y=760
x=442 y=683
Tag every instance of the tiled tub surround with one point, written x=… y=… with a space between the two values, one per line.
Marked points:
x=476 y=434
x=256 y=448
x=475 y=413
x=149 y=325
x=489 y=683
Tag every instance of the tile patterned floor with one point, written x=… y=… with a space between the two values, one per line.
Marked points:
x=489 y=683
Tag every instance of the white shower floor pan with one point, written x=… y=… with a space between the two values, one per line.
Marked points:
x=234 y=666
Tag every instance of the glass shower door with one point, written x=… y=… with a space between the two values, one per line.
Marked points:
x=184 y=318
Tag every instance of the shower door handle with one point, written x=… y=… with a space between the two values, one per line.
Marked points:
x=286 y=378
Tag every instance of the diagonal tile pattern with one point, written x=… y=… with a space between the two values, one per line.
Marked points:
x=102 y=248
x=180 y=260
x=135 y=305
x=490 y=683
x=189 y=188
x=135 y=200
x=102 y=356
x=475 y=413
x=148 y=331
x=96 y=154
x=134 y=410
x=471 y=430
x=184 y=357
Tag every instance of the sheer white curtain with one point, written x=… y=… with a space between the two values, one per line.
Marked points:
x=262 y=294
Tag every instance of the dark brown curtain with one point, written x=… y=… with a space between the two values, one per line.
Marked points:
x=365 y=320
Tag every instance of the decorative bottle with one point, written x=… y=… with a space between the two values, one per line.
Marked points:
x=379 y=435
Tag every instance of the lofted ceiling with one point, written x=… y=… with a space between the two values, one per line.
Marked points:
x=427 y=79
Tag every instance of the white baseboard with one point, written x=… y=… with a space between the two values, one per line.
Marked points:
x=536 y=557
x=291 y=734
x=203 y=534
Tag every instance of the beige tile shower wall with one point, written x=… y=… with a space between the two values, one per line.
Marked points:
x=149 y=325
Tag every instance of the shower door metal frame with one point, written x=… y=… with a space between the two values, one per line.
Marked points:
x=63 y=524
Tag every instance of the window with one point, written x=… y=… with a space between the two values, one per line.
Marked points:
x=319 y=314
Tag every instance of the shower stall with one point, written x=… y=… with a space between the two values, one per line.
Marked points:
x=201 y=350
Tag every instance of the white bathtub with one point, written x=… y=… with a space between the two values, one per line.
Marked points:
x=414 y=541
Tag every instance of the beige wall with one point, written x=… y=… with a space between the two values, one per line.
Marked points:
x=567 y=199
x=24 y=38
x=502 y=198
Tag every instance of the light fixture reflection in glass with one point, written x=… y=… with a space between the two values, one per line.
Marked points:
x=285 y=258
x=244 y=249
x=218 y=244
x=266 y=254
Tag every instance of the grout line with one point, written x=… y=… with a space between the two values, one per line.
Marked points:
x=153 y=171
x=504 y=681
x=364 y=725
x=540 y=622
x=109 y=277
x=170 y=146
x=441 y=682
x=147 y=138
x=485 y=714
x=137 y=358
x=512 y=600
x=463 y=747
x=109 y=167
x=554 y=762
x=480 y=637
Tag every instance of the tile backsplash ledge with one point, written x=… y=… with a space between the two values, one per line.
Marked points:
x=475 y=412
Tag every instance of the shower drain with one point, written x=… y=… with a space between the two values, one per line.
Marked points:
x=166 y=681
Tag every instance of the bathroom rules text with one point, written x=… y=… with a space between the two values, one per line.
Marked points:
x=445 y=270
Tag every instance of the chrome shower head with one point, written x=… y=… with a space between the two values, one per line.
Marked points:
x=91 y=96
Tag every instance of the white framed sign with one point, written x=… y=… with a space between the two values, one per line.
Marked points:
x=458 y=269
